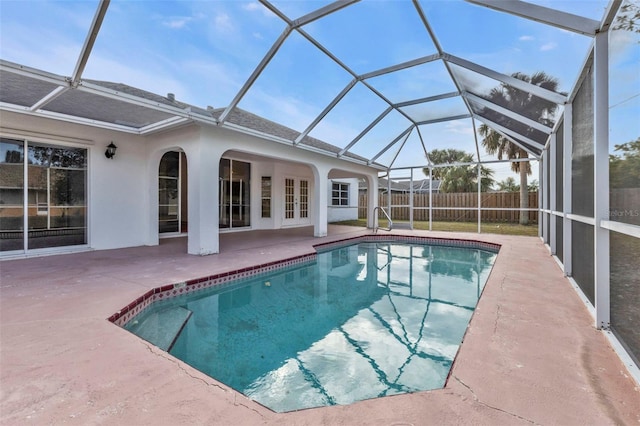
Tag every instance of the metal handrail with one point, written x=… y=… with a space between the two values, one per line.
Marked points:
x=389 y=258
x=375 y=227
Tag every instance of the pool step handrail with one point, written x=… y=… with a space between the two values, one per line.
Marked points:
x=389 y=257
x=375 y=227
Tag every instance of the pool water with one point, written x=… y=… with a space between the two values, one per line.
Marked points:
x=359 y=322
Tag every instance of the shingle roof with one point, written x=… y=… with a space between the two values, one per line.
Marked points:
x=251 y=121
x=237 y=116
x=404 y=186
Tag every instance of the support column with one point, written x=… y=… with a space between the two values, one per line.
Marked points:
x=430 y=198
x=372 y=200
x=411 y=199
x=551 y=154
x=389 y=193
x=567 y=148
x=540 y=198
x=320 y=200
x=203 y=189
x=479 y=188
x=601 y=178
x=545 y=197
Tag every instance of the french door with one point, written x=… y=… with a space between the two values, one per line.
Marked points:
x=296 y=201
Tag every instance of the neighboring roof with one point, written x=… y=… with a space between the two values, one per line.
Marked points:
x=12 y=176
x=423 y=185
x=404 y=185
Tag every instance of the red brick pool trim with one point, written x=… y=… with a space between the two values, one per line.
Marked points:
x=165 y=292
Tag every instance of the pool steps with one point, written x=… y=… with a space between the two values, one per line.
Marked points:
x=161 y=328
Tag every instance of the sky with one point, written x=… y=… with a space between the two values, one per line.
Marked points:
x=204 y=52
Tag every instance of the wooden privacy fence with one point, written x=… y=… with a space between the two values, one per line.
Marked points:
x=466 y=200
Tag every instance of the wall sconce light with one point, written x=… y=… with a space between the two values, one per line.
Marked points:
x=111 y=151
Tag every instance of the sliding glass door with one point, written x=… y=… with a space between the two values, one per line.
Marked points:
x=52 y=206
x=235 y=194
x=11 y=195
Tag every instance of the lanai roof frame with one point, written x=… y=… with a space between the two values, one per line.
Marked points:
x=178 y=116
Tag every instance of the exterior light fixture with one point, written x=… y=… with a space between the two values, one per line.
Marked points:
x=111 y=150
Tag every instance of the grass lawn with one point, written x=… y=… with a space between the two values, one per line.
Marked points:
x=489 y=228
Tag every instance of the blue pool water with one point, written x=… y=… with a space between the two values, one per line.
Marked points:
x=360 y=322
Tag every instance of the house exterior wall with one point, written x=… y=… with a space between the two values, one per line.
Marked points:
x=116 y=200
x=340 y=213
x=122 y=193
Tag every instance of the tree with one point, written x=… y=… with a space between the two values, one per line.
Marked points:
x=524 y=104
x=458 y=178
x=624 y=168
x=508 y=185
x=627 y=18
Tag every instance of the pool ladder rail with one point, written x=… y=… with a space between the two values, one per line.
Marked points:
x=375 y=227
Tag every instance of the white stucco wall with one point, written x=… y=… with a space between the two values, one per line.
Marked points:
x=116 y=197
x=350 y=212
x=122 y=192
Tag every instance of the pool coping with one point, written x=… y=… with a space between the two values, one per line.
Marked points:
x=531 y=354
x=168 y=291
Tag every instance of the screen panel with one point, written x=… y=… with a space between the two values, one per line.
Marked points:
x=582 y=252
x=582 y=149
x=559 y=238
x=624 y=125
x=625 y=289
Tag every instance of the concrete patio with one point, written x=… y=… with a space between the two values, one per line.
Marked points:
x=531 y=354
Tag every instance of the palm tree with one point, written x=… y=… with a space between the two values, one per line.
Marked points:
x=524 y=104
x=465 y=179
x=458 y=178
x=508 y=185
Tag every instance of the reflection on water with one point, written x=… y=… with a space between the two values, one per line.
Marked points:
x=362 y=321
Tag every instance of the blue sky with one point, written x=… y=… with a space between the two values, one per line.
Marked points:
x=204 y=51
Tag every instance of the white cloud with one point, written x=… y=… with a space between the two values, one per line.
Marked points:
x=622 y=43
x=257 y=35
x=57 y=55
x=223 y=23
x=256 y=7
x=149 y=78
x=459 y=127
x=526 y=38
x=251 y=7
x=217 y=84
x=177 y=23
x=548 y=46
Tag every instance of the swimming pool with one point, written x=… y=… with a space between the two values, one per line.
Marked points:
x=355 y=322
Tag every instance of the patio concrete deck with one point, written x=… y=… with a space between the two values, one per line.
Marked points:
x=530 y=355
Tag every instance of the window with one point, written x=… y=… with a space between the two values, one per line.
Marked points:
x=266 y=196
x=340 y=194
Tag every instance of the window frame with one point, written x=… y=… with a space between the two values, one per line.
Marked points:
x=341 y=199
